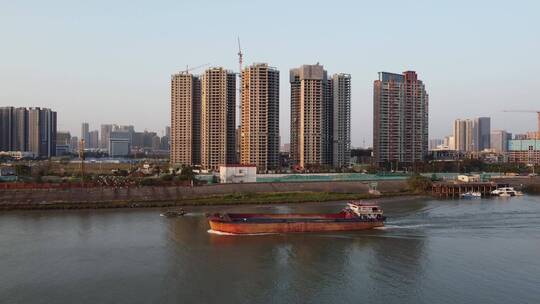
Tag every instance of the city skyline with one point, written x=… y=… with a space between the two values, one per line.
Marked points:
x=131 y=52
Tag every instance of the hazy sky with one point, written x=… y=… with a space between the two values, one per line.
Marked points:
x=111 y=61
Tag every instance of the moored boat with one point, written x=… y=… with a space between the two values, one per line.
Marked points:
x=506 y=191
x=473 y=194
x=355 y=216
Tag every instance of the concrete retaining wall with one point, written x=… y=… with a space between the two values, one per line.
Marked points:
x=21 y=197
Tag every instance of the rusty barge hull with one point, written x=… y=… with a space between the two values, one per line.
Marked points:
x=290 y=223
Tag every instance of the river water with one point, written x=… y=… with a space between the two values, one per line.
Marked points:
x=453 y=251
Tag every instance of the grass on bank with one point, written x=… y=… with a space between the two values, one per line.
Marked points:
x=280 y=197
x=226 y=199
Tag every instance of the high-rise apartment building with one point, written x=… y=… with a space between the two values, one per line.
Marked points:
x=185 y=130
x=309 y=98
x=400 y=120
x=259 y=133
x=42 y=132
x=484 y=133
x=218 y=118
x=29 y=130
x=460 y=135
x=20 y=130
x=471 y=139
x=499 y=140
x=6 y=128
x=106 y=130
x=341 y=117
x=320 y=117
x=472 y=135
x=93 y=139
x=85 y=133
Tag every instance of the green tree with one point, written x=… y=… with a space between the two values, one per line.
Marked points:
x=419 y=183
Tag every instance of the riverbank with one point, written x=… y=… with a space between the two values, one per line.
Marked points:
x=217 y=200
x=247 y=193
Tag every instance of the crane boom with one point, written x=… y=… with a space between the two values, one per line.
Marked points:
x=188 y=69
x=240 y=65
x=529 y=111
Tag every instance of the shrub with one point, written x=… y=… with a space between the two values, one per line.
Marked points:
x=419 y=183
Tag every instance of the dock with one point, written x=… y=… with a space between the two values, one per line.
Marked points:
x=455 y=189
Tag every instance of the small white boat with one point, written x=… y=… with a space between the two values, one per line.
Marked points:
x=471 y=194
x=173 y=213
x=506 y=191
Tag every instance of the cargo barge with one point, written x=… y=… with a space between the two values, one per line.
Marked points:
x=355 y=216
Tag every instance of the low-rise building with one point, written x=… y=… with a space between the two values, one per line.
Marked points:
x=235 y=173
x=474 y=178
x=525 y=151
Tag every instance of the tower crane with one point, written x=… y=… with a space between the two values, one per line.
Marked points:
x=188 y=69
x=240 y=65
x=529 y=111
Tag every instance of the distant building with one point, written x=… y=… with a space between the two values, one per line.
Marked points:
x=235 y=173
x=63 y=143
x=484 y=133
x=218 y=118
x=259 y=133
x=472 y=135
x=106 y=130
x=85 y=133
x=42 y=132
x=499 y=141
x=74 y=144
x=119 y=144
x=6 y=128
x=156 y=143
x=285 y=148
x=185 y=130
x=460 y=135
x=526 y=151
x=435 y=143
x=400 y=122
x=13 y=129
x=93 y=142
x=471 y=139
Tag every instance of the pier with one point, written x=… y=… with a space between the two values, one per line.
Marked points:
x=455 y=189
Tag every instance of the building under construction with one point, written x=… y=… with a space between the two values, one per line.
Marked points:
x=185 y=119
x=218 y=118
x=259 y=133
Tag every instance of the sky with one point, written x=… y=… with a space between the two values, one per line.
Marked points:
x=111 y=61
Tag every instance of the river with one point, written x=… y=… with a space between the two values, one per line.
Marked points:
x=431 y=251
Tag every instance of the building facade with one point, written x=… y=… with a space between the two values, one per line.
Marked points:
x=85 y=133
x=259 y=132
x=524 y=151
x=218 y=118
x=106 y=130
x=185 y=131
x=400 y=120
x=42 y=132
x=460 y=135
x=472 y=135
x=6 y=128
x=93 y=139
x=308 y=102
x=499 y=141
x=119 y=143
x=341 y=120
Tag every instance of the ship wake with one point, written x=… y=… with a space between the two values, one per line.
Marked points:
x=236 y=234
